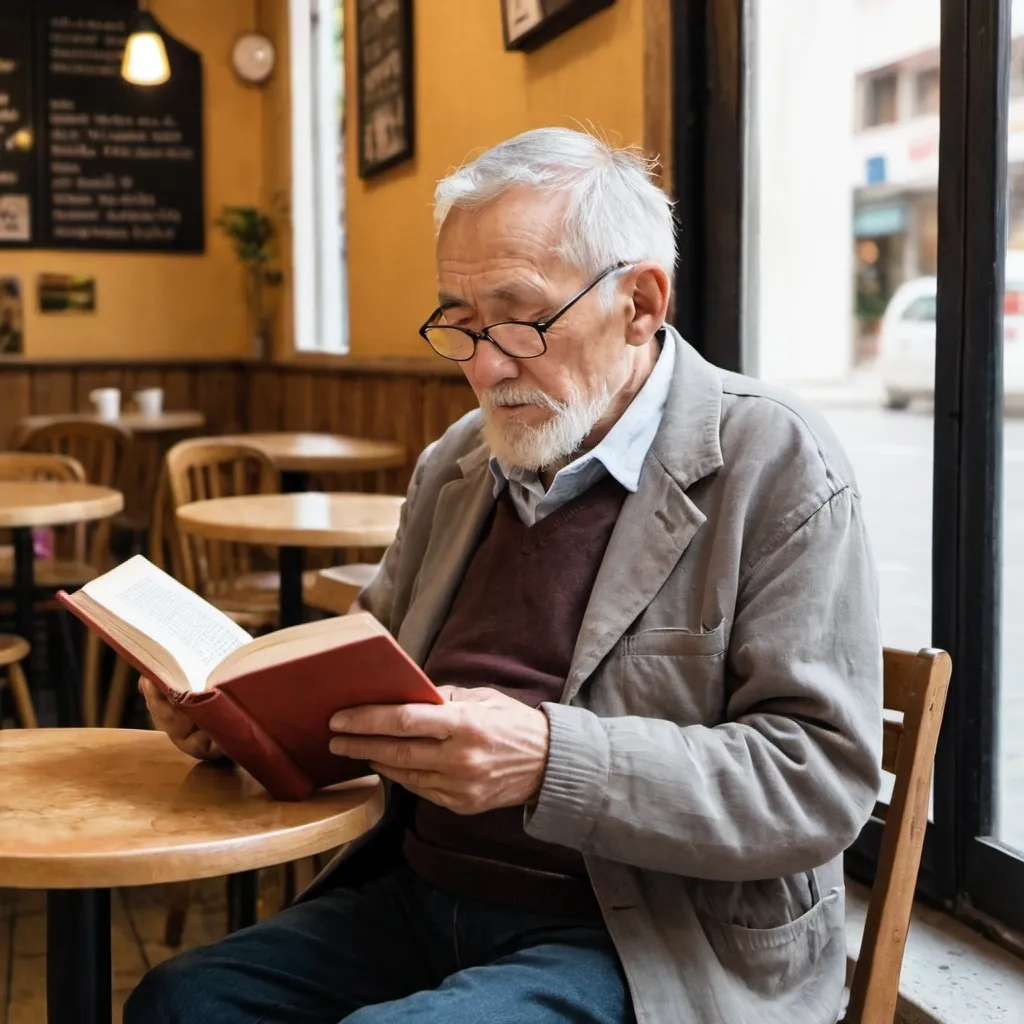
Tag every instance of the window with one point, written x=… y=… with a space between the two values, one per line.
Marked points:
x=926 y=92
x=318 y=225
x=881 y=93
x=1017 y=69
x=927 y=402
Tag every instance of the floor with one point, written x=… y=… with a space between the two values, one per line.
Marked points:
x=137 y=927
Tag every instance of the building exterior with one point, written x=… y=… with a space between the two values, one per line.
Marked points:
x=847 y=172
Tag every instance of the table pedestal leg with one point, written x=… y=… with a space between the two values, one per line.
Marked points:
x=289 y=561
x=243 y=900
x=293 y=481
x=24 y=590
x=78 y=975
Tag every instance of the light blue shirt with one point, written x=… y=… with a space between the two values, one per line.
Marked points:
x=620 y=453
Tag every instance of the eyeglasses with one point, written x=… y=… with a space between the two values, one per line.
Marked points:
x=518 y=339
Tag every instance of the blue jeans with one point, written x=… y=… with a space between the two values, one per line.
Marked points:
x=396 y=950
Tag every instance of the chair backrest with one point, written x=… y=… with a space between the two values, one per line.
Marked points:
x=916 y=686
x=196 y=470
x=61 y=468
x=100 y=448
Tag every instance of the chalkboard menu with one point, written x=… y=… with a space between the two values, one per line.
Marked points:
x=88 y=160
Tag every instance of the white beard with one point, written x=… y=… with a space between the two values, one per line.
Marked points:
x=555 y=441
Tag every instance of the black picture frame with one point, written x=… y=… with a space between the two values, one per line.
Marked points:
x=386 y=115
x=540 y=21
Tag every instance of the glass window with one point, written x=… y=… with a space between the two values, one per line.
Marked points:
x=881 y=91
x=1009 y=763
x=317 y=201
x=845 y=298
x=1017 y=69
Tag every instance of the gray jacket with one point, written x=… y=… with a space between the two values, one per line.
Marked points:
x=718 y=741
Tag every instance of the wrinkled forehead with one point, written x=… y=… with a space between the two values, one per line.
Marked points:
x=520 y=228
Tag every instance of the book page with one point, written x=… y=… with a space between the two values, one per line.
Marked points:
x=195 y=633
x=296 y=642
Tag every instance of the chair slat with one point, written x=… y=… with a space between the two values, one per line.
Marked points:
x=892 y=734
x=915 y=684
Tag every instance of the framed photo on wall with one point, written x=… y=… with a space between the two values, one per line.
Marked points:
x=386 y=113
x=528 y=24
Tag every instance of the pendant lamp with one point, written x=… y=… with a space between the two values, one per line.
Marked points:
x=145 y=55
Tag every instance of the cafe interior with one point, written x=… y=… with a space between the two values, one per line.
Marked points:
x=216 y=252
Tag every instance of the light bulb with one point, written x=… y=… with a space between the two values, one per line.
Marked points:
x=145 y=56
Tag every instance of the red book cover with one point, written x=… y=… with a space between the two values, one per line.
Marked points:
x=274 y=721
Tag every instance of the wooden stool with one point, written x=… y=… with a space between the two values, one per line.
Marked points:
x=13 y=650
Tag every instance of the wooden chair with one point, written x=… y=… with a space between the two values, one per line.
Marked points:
x=916 y=686
x=13 y=651
x=69 y=561
x=334 y=589
x=223 y=573
x=100 y=449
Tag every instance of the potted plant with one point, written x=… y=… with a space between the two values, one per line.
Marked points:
x=252 y=231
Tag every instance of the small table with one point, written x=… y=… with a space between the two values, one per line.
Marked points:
x=298 y=455
x=169 y=422
x=87 y=810
x=291 y=522
x=28 y=503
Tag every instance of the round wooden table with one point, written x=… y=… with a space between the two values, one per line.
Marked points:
x=298 y=455
x=292 y=522
x=83 y=811
x=170 y=421
x=28 y=503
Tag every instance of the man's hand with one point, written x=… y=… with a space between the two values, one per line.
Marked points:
x=478 y=751
x=184 y=733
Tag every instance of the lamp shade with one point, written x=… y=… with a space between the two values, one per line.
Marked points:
x=145 y=55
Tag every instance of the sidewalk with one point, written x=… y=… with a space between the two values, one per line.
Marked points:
x=861 y=389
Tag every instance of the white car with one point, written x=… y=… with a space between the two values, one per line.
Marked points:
x=906 y=351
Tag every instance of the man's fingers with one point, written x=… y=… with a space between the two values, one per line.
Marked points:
x=415 y=755
x=428 y=721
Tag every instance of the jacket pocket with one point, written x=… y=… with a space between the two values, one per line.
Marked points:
x=667 y=673
x=783 y=958
x=675 y=642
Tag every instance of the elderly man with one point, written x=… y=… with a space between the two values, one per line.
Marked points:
x=646 y=589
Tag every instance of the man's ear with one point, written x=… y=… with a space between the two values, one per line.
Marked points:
x=650 y=294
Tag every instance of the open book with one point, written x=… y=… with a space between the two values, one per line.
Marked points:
x=266 y=702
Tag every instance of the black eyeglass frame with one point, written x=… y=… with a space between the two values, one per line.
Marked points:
x=540 y=326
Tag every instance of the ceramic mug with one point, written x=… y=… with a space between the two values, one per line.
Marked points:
x=107 y=402
x=149 y=401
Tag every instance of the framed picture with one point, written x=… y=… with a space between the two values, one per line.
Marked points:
x=12 y=325
x=386 y=115
x=528 y=24
x=67 y=293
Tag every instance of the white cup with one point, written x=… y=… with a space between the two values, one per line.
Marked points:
x=107 y=402
x=149 y=401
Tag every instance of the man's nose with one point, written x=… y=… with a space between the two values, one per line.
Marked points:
x=490 y=366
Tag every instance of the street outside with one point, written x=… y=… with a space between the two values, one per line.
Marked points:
x=892 y=456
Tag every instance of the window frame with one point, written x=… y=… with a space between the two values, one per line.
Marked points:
x=964 y=868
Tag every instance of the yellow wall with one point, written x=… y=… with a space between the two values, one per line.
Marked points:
x=470 y=93
x=162 y=305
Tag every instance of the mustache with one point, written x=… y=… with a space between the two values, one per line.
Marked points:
x=510 y=393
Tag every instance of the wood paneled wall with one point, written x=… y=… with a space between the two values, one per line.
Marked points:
x=408 y=401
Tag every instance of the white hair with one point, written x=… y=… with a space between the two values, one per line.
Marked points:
x=615 y=214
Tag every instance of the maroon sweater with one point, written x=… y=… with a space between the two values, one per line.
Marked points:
x=513 y=627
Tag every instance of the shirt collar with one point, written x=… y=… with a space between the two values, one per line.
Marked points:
x=624 y=448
